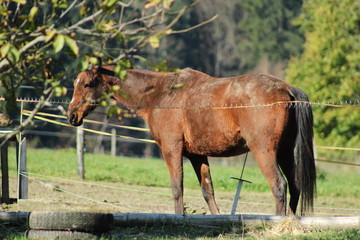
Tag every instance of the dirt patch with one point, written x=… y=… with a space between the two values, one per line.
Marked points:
x=77 y=195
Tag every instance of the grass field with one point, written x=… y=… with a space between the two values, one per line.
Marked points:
x=331 y=181
x=338 y=191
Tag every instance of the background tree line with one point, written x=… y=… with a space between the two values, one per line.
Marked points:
x=311 y=44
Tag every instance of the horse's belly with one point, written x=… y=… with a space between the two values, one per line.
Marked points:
x=216 y=144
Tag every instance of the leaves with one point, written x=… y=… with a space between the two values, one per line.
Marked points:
x=20 y=1
x=328 y=69
x=60 y=91
x=14 y=54
x=4 y=50
x=162 y=66
x=45 y=43
x=152 y=3
x=109 y=3
x=59 y=43
x=71 y=43
x=113 y=111
x=166 y=4
x=10 y=52
x=178 y=86
x=121 y=67
x=154 y=41
x=33 y=13
x=60 y=3
x=50 y=33
x=120 y=71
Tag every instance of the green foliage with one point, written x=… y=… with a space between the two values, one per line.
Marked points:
x=329 y=68
x=45 y=43
x=267 y=31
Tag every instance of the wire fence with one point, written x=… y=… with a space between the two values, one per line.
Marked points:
x=139 y=207
x=27 y=113
x=164 y=199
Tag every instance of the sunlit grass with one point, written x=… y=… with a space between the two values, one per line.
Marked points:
x=153 y=172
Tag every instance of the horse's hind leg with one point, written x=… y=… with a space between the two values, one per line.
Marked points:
x=266 y=159
x=202 y=170
x=287 y=164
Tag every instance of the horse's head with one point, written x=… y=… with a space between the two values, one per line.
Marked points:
x=88 y=88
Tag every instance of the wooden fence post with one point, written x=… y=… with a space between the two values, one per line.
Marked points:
x=4 y=174
x=80 y=151
x=113 y=142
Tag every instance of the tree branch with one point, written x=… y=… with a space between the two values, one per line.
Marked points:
x=84 y=20
x=194 y=27
x=5 y=62
x=67 y=10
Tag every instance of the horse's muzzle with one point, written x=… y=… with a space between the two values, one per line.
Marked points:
x=74 y=120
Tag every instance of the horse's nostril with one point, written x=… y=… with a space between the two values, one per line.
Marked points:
x=72 y=118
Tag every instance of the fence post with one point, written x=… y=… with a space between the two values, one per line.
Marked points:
x=23 y=175
x=149 y=148
x=4 y=174
x=113 y=142
x=80 y=151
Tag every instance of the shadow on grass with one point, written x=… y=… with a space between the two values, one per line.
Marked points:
x=8 y=231
x=186 y=232
x=175 y=232
x=189 y=232
x=141 y=232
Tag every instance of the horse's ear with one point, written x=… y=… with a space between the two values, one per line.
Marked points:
x=99 y=63
x=92 y=67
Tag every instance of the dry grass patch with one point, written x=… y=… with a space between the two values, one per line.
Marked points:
x=287 y=225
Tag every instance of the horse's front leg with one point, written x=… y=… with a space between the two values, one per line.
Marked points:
x=173 y=159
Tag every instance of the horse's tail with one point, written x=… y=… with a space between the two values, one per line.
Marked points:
x=305 y=174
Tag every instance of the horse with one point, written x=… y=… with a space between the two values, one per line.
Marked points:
x=191 y=114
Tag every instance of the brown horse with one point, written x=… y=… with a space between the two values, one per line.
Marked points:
x=195 y=115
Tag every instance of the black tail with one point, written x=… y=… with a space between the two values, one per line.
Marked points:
x=304 y=152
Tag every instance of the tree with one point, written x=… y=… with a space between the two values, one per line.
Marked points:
x=267 y=31
x=42 y=43
x=212 y=48
x=329 y=68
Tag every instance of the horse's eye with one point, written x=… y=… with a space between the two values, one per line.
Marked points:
x=88 y=85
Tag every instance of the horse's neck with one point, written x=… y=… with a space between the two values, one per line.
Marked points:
x=140 y=80
x=139 y=87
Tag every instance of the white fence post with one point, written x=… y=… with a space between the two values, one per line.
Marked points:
x=23 y=175
x=80 y=151
x=113 y=142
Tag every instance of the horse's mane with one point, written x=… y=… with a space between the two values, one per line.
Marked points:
x=107 y=72
x=143 y=72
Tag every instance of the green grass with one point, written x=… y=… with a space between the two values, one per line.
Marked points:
x=137 y=171
x=153 y=172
